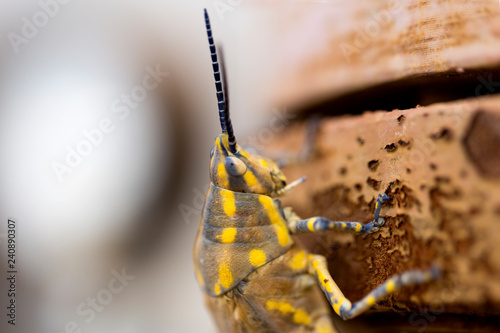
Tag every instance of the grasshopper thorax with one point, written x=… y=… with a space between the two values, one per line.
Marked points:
x=242 y=171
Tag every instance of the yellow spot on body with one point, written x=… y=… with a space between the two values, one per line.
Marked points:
x=390 y=286
x=278 y=223
x=250 y=179
x=298 y=260
x=221 y=173
x=225 y=276
x=217 y=288
x=343 y=225
x=358 y=227
x=283 y=237
x=263 y=163
x=301 y=317
x=285 y=307
x=257 y=257
x=271 y=305
x=370 y=301
x=228 y=202
x=336 y=307
x=228 y=235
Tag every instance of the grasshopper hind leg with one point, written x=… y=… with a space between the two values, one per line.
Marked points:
x=347 y=310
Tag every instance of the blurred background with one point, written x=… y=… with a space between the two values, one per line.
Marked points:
x=107 y=117
x=96 y=170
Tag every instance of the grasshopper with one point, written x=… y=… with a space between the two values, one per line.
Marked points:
x=254 y=276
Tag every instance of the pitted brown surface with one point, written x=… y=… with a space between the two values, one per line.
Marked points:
x=442 y=210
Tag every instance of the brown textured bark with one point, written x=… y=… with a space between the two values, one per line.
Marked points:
x=440 y=166
x=324 y=50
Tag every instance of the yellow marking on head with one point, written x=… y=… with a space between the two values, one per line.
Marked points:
x=225 y=276
x=358 y=227
x=250 y=178
x=390 y=286
x=228 y=235
x=298 y=260
x=370 y=301
x=257 y=257
x=228 y=202
x=217 y=288
x=221 y=173
x=263 y=163
x=217 y=142
x=301 y=317
x=336 y=307
x=310 y=224
x=315 y=263
x=279 y=225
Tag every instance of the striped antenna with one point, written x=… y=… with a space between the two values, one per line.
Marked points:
x=225 y=120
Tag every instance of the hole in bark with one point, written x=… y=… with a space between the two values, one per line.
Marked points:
x=403 y=143
x=373 y=183
x=445 y=134
x=373 y=164
x=391 y=147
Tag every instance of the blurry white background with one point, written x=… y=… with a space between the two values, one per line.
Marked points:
x=118 y=208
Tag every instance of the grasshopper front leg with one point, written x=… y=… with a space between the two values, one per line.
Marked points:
x=320 y=224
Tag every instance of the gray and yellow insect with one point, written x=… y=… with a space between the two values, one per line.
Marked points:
x=254 y=276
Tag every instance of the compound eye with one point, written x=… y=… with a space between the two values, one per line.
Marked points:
x=212 y=152
x=235 y=167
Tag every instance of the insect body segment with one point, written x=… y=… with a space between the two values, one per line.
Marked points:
x=255 y=278
x=240 y=232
